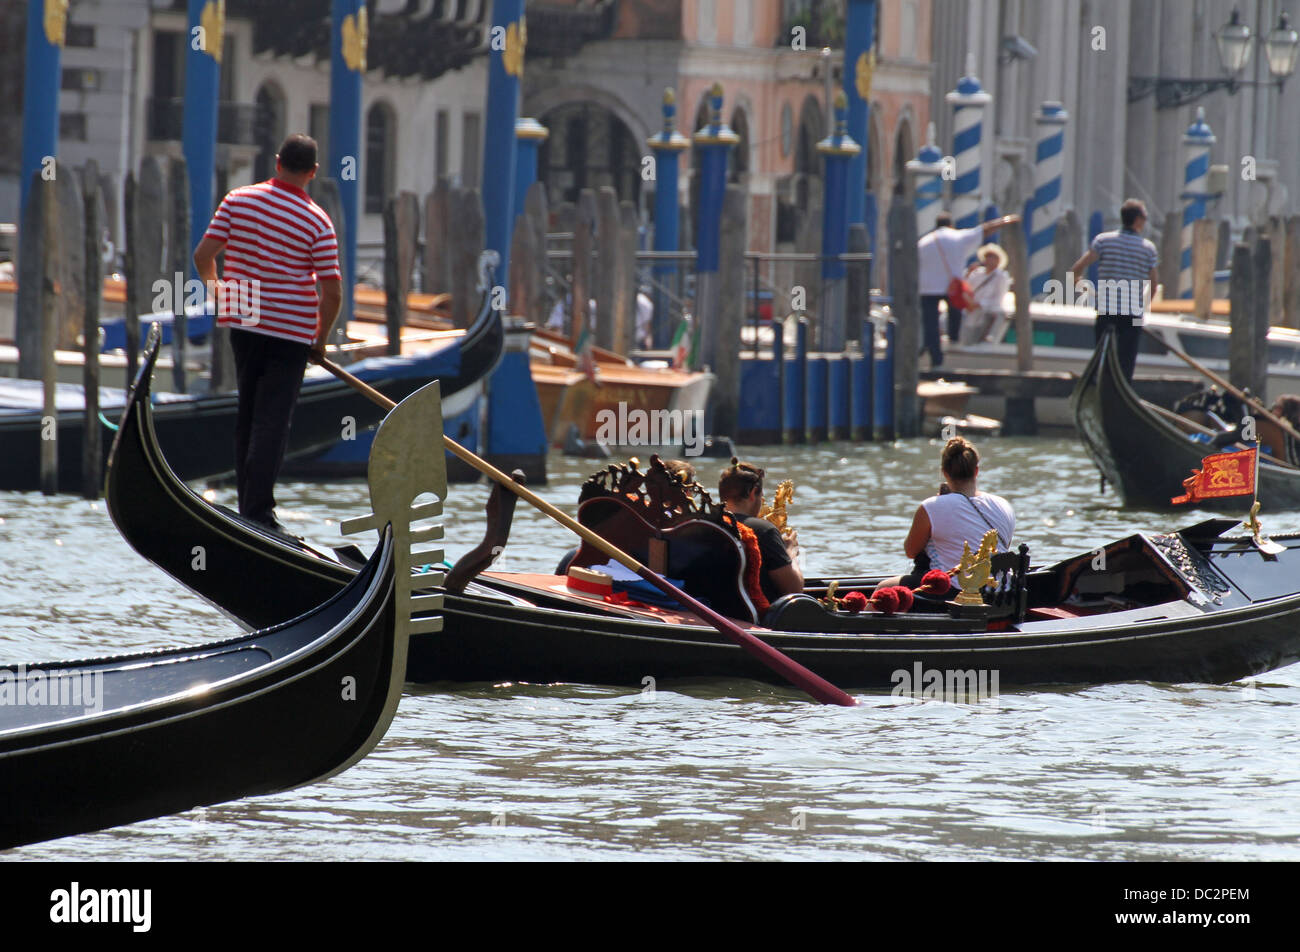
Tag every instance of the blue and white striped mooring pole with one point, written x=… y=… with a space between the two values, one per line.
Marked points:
x=1048 y=160
x=927 y=171
x=968 y=102
x=1197 y=141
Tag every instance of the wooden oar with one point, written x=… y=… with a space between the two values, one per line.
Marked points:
x=797 y=674
x=1216 y=379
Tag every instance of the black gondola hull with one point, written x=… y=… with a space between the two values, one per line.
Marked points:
x=1145 y=457
x=189 y=727
x=502 y=631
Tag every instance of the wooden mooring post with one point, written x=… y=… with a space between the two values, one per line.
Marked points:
x=903 y=277
x=1205 y=240
x=1248 y=294
x=401 y=236
x=1020 y=418
x=90 y=432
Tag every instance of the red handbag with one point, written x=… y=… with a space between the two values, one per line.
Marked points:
x=960 y=294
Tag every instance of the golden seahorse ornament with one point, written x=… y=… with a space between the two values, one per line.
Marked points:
x=974 y=571
x=775 y=514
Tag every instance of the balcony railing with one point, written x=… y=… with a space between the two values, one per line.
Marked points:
x=236 y=121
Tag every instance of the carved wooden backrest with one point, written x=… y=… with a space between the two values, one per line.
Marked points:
x=671 y=526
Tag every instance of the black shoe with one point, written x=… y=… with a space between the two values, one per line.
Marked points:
x=274 y=525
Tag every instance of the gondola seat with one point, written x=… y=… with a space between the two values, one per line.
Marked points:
x=670 y=526
x=705 y=554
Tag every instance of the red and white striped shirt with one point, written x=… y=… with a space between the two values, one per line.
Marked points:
x=278 y=242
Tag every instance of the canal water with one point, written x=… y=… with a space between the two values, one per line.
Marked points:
x=731 y=770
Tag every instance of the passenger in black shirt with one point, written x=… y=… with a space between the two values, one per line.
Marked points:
x=741 y=490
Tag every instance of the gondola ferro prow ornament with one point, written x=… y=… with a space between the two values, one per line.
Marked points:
x=406 y=461
x=974 y=571
x=1267 y=547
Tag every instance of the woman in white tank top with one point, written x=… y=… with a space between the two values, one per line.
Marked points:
x=959 y=514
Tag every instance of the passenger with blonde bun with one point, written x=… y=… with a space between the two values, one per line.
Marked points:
x=959 y=513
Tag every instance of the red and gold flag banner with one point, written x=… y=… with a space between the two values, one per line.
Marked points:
x=1224 y=474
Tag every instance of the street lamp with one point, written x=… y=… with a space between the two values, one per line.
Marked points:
x=1281 y=47
x=1235 y=41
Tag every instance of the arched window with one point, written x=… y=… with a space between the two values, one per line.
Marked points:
x=812 y=129
x=904 y=149
x=268 y=129
x=739 y=164
x=589 y=146
x=381 y=139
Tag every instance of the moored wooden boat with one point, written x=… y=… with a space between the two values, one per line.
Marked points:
x=144 y=735
x=1145 y=454
x=1184 y=606
x=569 y=397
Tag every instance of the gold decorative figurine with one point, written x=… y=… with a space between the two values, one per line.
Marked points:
x=775 y=514
x=973 y=571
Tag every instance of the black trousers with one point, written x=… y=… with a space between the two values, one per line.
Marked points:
x=930 y=328
x=269 y=372
x=1127 y=337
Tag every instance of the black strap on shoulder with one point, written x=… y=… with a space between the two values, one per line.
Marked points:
x=979 y=512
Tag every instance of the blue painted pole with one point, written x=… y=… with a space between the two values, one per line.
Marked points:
x=529 y=136
x=199 y=124
x=46 y=26
x=714 y=142
x=838 y=150
x=859 y=64
x=348 y=34
x=667 y=148
x=505 y=67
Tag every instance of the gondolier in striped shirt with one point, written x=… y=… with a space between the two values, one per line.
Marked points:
x=1126 y=262
x=278 y=244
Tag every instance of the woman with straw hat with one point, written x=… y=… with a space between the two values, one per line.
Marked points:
x=989 y=283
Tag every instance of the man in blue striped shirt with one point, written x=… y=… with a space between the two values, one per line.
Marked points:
x=1126 y=267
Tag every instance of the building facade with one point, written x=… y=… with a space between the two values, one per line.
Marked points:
x=597 y=71
x=123 y=85
x=1099 y=59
